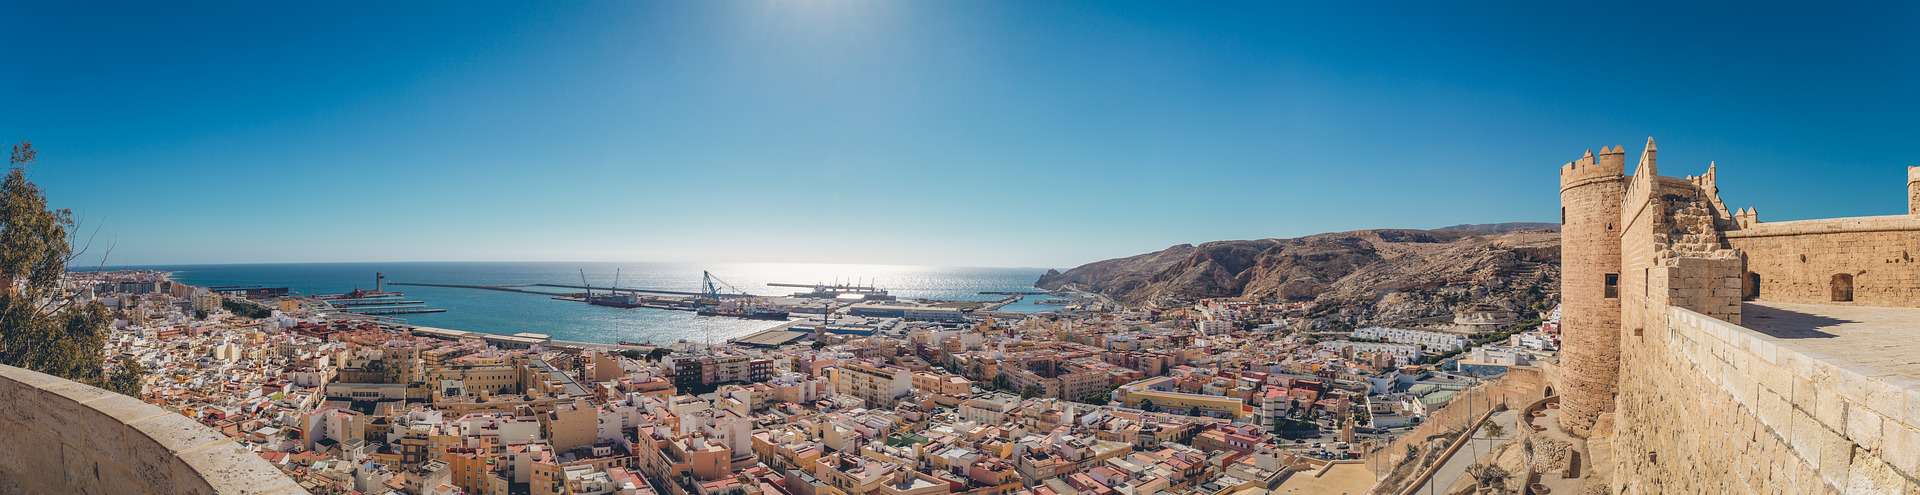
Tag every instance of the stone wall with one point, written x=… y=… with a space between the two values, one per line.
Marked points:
x=1796 y=261
x=1712 y=407
x=1590 y=193
x=1515 y=389
x=57 y=436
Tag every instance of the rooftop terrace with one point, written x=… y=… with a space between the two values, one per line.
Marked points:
x=1878 y=341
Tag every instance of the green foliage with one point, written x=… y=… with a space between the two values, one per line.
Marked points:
x=1493 y=430
x=1488 y=476
x=127 y=379
x=41 y=328
x=1096 y=397
x=245 y=308
x=1295 y=428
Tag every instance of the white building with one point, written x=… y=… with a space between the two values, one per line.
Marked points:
x=1436 y=342
x=1498 y=355
x=1405 y=353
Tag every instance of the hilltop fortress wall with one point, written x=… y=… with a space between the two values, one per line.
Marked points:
x=66 y=437
x=1590 y=190
x=1807 y=261
x=1699 y=403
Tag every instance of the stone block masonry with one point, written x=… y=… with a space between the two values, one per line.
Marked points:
x=1590 y=192
x=1800 y=261
x=1713 y=407
x=1823 y=398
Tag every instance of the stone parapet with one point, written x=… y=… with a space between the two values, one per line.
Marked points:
x=1883 y=223
x=1800 y=261
x=58 y=436
x=1735 y=410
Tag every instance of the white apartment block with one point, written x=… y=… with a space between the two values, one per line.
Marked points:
x=1431 y=340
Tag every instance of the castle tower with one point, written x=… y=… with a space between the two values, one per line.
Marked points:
x=1591 y=192
x=1913 y=190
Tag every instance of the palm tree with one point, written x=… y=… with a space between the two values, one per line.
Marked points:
x=1491 y=477
x=1494 y=430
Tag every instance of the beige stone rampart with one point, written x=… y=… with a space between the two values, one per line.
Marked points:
x=1713 y=407
x=58 y=436
x=1607 y=166
x=1518 y=386
x=1797 y=261
x=1590 y=251
x=1913 y=190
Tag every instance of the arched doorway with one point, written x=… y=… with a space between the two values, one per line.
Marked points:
x=1753 y=287
x=1842 y=287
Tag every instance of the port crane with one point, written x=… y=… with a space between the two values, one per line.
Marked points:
x=710 y=286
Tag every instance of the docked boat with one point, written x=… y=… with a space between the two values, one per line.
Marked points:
x=617 y=300
x=740 y=309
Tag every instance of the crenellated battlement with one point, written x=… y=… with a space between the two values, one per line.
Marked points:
x=1746 y=218
x=1609 y=164
x=1785 y=337
x=1913 y=189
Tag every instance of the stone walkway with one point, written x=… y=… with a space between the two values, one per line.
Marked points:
x=1554 y=481
x=1878 y=339
x=1471 y=453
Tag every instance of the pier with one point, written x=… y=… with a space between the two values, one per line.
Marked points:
x=645 y=291
x=380 y=301
x=835 y=291
x=521 y=289
x=501 y=288
x=394 y=310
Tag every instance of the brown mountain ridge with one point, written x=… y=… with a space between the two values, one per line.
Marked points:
x=1345 y=279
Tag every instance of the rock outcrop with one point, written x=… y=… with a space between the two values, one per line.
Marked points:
x=1380 y=276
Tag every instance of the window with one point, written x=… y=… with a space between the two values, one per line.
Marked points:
x=1613 y=285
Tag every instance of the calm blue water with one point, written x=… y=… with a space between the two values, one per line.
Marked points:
x=505 y=312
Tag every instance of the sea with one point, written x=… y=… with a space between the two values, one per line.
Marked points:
x=507 y=313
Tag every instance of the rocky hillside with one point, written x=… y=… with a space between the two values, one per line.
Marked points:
x=1380 y=276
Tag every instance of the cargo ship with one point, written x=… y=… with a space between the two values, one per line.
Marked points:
x=748 y=313
x=617 y=300
x=739 y=309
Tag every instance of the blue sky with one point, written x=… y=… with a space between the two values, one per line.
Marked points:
x=947 y=133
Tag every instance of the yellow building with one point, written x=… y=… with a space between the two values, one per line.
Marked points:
x=945 y=389
x=571 y=425
x=1155 y=394
x=858 y=475
x=879 y=386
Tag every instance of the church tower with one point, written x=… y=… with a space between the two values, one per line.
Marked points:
x=1591 y=191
